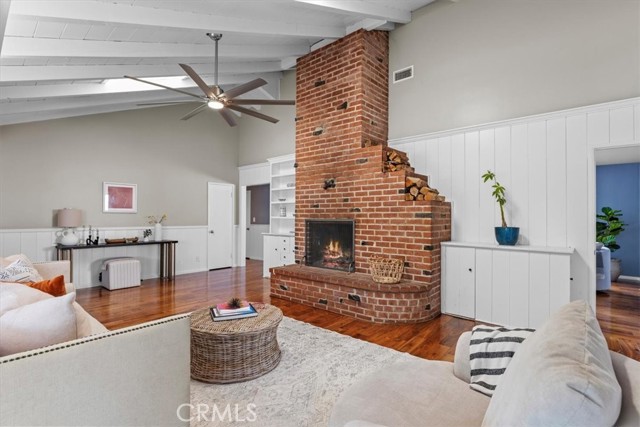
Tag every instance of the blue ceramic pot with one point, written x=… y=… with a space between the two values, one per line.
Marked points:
x=507 y=235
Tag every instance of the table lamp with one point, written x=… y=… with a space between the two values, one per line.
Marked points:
x=69 y=219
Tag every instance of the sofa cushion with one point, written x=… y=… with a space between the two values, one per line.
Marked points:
x=87 y=324
x=55 y=287
x=42 y=323
x=410 y=393
x=14 y=295
x=560 y=376
x=18 y=268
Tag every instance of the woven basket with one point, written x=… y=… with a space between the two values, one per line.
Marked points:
x=386 y=270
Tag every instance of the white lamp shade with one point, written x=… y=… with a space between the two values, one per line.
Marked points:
x=69 y=217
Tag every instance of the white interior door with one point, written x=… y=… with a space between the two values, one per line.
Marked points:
x=220 y=227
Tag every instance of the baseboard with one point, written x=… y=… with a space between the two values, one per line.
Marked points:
x=634 y=280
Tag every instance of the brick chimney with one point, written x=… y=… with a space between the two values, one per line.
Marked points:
x=341 y=134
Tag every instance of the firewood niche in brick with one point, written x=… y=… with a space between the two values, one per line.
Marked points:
x=370 y=186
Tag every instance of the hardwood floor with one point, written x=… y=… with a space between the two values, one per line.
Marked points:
x=618 y=311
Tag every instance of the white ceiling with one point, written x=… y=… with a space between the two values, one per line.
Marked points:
x=67 y=58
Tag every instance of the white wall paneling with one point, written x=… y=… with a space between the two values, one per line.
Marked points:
x=621 y=125
x=577 y=202
x=556 y=191
x=546 y=163
x=38 y=245
x=457 y=187
x=486 y=220
x=537 y=156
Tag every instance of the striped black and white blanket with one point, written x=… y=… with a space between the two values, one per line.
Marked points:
x=490 y=351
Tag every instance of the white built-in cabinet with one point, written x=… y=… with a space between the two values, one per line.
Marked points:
x=283 y=194
x=279 y=242
x=278 y=251
x=504 y=285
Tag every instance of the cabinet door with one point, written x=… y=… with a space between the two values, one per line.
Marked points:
x=458 y=293
x=284 y=247
x=271 y=254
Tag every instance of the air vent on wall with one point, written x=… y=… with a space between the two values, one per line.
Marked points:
x=403 y=74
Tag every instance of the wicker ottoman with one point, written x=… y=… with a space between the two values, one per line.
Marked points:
x=234 y=350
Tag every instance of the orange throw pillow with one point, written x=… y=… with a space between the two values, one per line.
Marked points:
x=53 y=286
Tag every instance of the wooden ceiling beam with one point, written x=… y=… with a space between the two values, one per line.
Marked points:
x=115 y=86
x=38 y=47
x=42 y=73
x=125 y=14
x=374 y=10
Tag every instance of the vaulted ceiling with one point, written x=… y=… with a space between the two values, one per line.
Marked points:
x=68 y=58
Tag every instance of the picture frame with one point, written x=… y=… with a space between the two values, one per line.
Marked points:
x=119 y=197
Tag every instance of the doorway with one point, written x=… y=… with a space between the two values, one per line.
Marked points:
x=257 y=211
x=220 y=247
x=618 y=187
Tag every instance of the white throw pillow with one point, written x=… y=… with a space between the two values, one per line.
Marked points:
x=18 y=268
x=560 y=376
x=47 y=322
x=14 y=295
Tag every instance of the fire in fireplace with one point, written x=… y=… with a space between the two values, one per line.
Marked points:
x=329 y=243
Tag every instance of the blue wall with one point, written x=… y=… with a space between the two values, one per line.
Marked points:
x=618 y=186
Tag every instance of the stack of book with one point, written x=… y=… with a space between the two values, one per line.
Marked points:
x=225 y=312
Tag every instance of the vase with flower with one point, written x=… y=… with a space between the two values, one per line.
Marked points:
x=157 y=223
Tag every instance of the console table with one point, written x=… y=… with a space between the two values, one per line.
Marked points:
x=167 y=254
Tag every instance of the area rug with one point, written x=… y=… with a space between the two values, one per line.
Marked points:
x=317 y=365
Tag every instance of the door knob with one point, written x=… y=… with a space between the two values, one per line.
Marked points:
x=211 y=232
x=470 y=270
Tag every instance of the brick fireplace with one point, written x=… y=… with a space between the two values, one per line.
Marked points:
x=345 y=171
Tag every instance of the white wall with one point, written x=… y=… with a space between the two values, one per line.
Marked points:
x=260 y=140
x=546 y=163
x=483 y=61
x=60 y=163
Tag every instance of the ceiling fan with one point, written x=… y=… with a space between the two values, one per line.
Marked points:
x=217 y=99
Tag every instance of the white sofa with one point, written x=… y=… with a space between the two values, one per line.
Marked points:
x=550 y=381
x=137 y=376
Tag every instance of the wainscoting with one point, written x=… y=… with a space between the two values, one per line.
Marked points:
x=38 y=244
x=546 y=162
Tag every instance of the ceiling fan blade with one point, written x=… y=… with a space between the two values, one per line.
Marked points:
x=244 y=88
x=228 y=116
x=164 y=87
x=192 y=113
x=261 y=102
x=252 y=113
x=196 y=78
x=166 y=103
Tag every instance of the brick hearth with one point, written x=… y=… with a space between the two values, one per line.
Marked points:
x=341 y=134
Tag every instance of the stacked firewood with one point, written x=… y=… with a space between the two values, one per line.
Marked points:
x=394 y=160
x=417 y=188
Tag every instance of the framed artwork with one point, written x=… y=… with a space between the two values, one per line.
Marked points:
x=119 y=198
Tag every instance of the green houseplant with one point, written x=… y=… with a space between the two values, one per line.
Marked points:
x=505 y=235
x=608 y=227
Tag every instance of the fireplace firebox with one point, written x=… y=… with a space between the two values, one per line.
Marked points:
x=329 y=243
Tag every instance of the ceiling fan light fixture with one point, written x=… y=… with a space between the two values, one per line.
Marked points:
x=215 y=104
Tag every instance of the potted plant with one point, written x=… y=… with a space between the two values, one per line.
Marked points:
x=505 y=235
x=608 y=226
